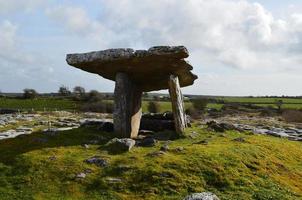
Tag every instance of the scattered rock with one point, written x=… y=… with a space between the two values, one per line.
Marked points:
x=113 y=180
x=97 y=161
x=52 y=158
x=165 y=148
x=193 y=135
x=88 y=171
x=179 y=149
x=221 y=127
x=147 y=142
x=80 y=176
x=120 y=145
x=86 y=146
x=201 y=196
x=276 y=134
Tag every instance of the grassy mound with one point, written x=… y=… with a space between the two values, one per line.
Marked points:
x=38 y=166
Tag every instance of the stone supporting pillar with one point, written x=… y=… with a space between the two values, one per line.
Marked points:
x=177 y=105
x=127 y=107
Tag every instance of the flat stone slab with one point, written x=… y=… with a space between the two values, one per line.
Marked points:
x=150 y=69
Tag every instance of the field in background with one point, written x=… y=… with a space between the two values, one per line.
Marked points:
x=54 y=103
x=39 y=104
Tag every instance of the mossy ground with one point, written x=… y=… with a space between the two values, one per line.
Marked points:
x=262 y=167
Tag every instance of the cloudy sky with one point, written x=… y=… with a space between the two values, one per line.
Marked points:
x=237 y=47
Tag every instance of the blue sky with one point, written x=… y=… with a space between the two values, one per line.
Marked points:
x=236 y=47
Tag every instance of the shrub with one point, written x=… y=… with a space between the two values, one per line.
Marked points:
x=292 y=116
x=200 y=104
x=100 y=106
x=94 y=96
x=78 y=92
x=29 y=94
x=153 y=107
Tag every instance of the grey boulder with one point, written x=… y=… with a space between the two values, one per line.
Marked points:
x=201 y=196
x=117 y=145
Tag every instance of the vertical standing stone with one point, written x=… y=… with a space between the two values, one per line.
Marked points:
x=127 y=107
x=177 y=105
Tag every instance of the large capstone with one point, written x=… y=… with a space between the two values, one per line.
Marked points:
x=150 y=69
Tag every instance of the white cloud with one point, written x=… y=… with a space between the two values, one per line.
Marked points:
x=8 y=6
x=7 y=36
x=76 y=21
x=237 y=34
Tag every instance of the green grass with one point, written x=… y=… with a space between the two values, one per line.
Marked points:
x=52 y=104
x=262 y=100
x=262 y=168
x=39 y=104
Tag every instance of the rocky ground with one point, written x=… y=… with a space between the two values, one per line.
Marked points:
x=13 y=125
x=273 y=126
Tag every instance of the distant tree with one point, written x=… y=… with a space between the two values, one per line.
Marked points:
x=94 y=96
x=64 y=91
x=29 y=93
x=153 y=107
x=79 y=92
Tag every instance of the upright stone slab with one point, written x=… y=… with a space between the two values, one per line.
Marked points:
x=177 y=105
x=127 y=107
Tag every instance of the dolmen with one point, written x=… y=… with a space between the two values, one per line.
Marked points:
x=138 y=71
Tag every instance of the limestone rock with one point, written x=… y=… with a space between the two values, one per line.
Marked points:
x=97 y=161
x=147 y=142
x=120 y=145
x=202 y=196
x=150 y=69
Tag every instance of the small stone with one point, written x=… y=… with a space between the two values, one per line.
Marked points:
x=120 y=145
x=52 y=158
x=179 y=149
x=86 y=146
x=276 y=134
x=193 y=135
x=164 y=148
x=148 y=142
x=88 y=171
x=81 y=176
x=97 y=161
x=201 y=196
x=113 y=180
